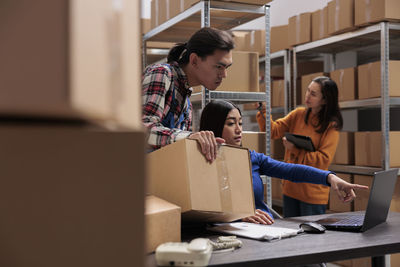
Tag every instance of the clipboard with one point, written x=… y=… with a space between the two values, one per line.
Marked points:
x=301 y=141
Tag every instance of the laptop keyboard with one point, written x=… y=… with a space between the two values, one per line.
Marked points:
x=351 y=220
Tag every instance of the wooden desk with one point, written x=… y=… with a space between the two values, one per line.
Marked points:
x=310 y=248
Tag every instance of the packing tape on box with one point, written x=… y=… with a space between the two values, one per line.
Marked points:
x=252 y=39
x=337 y=9
x=341 y=78
x=224 y=181
x=156 y=12
x=368 y=10
x=182 y=8
x=321 y=24
x=297 y=29
x=167 y=11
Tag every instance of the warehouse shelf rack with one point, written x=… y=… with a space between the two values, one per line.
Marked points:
x=224 y=16
x=282 y=58
x=371 y=43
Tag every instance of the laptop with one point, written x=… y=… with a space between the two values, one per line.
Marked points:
x=254 y=231
x=377 y=209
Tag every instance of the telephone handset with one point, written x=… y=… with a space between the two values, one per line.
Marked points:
x=195 y=253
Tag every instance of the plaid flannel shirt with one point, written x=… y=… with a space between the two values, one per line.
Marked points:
x=158 y=82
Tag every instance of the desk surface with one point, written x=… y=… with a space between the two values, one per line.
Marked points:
x=308 y=248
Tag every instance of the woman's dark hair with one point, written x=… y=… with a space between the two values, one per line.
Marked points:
x=204 y=42
x=214 y=115
x=330 y=111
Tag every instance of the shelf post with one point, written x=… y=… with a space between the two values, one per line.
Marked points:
x=205 y=22
x=267 y=79
x=385 y=105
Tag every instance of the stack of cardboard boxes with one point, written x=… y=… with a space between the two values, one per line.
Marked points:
x=72 y=183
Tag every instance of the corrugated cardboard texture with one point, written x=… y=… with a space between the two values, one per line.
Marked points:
x=163 y=222
x=71 y=196
x=243 y=75
x=369 y=79
x=370 y=11
x=346 y=82
x=180 y=174
x=335 y=204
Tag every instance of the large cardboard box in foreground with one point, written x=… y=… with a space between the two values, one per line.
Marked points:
x=71 y=58
x=219 y=191
x=71 y=196
x=163 y=222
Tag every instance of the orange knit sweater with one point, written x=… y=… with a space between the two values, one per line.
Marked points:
x=325 y=147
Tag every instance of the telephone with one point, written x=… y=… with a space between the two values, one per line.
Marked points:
x=195 y=253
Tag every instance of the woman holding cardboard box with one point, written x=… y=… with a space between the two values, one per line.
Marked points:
x=321 y=120
x=225 y=120
x=166 y=88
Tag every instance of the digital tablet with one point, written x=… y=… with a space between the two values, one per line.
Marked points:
x=301 y=141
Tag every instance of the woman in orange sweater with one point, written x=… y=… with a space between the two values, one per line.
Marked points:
x=321 y=120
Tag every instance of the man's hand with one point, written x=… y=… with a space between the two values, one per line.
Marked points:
x=208 y=143
x=343 y=189
x=260 y=217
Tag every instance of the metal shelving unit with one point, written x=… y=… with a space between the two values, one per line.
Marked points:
x=377 y=42
x=282 y=58
x=224 y=16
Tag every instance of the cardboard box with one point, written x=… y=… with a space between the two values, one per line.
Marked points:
x=371 y=11
x=279 y=38
x=243 y=75
x=163 y=222
x=57 y=58
x=299 y=29
x=335 y=204
x=71 y=195
x=368 y=148
x=158 y=12
x=340 y=16
x=345 y=149
x=276 y=188
x=319 y=26
x=146 y=25
x=240 y=40
x=278 y=93
x=189 y=3
x=369 y=79
x=346 y=82
x=255 y=41
x=221 y=191
x=308 y=67
x=256 y=141
x=305 y=82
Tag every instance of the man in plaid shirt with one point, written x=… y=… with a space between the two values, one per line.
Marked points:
x=166 y=88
